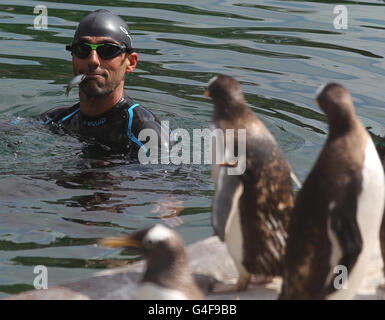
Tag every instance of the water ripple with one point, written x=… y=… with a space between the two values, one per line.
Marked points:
x=57 y=200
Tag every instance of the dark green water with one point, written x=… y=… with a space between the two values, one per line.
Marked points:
x=55 y=202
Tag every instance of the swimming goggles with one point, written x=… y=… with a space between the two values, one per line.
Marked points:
x=105 y=50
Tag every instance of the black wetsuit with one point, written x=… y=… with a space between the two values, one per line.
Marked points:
x=116 y=130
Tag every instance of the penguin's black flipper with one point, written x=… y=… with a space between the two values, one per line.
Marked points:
x=226 y=199
x=344 y=224
x=380 y=146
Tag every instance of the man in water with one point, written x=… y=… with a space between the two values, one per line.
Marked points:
x=102 y=51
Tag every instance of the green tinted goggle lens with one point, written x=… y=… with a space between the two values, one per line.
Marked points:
x=104 y=50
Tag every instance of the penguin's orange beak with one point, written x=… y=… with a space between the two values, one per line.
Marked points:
x=120 y=242
x=207 y=93
x=229 y=164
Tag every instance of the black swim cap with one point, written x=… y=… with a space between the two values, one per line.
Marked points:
x=104 y=23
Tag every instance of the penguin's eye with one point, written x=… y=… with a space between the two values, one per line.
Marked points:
x=149 y=244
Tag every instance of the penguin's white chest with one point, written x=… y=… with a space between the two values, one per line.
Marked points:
x=233 y=232
x=369 y=216
x=371 y=199
x=152 y=291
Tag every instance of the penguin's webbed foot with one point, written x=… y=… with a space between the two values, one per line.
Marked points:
x=241 y=285
x=261 y=279
x=382 y=286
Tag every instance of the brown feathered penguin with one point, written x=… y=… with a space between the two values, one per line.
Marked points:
x=338 y=211
x=251 y=209
x=167 y=275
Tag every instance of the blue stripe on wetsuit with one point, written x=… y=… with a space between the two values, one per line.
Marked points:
x=69 y=116
x=49 y=120
x=129 y=131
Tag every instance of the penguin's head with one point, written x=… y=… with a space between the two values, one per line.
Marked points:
x=156 y=242
x=226 y=93
x=335 y=101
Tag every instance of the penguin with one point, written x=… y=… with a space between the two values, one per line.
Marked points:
x=380 y=146
x=167 y=275
x=337 y=215
x=381 y=152
x=251 y=209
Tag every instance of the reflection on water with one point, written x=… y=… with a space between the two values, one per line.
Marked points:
x=58 y=195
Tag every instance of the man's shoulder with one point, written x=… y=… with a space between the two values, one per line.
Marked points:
x=144 y=114
x=56 y=113
x=140 y=116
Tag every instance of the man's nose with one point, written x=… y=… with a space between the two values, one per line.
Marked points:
x=93 y=59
